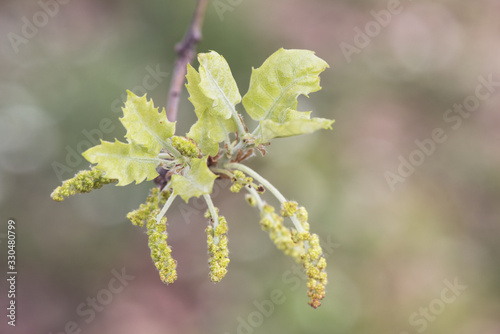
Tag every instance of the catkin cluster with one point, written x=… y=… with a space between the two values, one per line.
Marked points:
x=312 y=259
x=303 y=246
x=281 y=235
x=315 y=264
x=160 y=251
x=155 y=200
x=147 y=214
x=83 y=182
x=217 y=248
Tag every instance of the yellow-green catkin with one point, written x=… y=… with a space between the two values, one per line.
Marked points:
x=160 y=251
x=281 y=236
x=185 y=147
x=83 y=182
x=312 y=259
x=217 y=249
x=303 y=246
x=154 y=201
x=315 y=265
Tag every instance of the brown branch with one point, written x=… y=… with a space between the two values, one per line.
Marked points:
x=185 y=54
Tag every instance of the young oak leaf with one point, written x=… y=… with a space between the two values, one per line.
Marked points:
x=126 y=162
x=145 y=126
x=200 y=101
x=209 y=130
x=218 y=84
x=282 y=78
x=196 y=181
x=269 y=129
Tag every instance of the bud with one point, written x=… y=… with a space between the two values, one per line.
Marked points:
x=302 y=215
x=240 y=180
x=251 y=200
x=186 y=147
x=239 y=175
x=236 y=187
x=288 y=209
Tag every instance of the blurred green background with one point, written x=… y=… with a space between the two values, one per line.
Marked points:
x=393 y=249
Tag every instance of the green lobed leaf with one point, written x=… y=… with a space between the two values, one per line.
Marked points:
x=209 y=130
x=145 y=126
x=203 y=131
x=126 y=162
x=269 y=129
x=197 y=180
x=217 y=83
x=282 y=78
x=200 y=101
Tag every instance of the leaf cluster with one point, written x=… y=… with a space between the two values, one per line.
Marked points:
x=219 y=131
